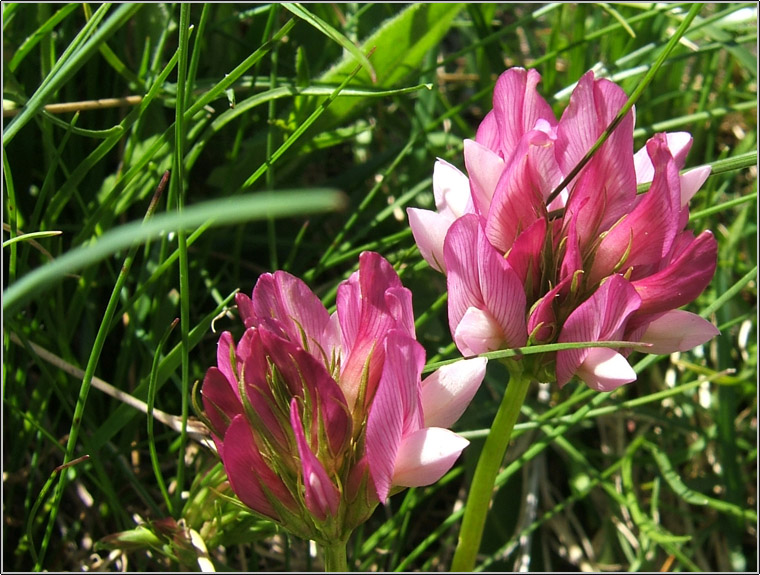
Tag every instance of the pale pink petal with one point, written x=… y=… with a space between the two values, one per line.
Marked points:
x=447 y=392
x=484 y=167
x=603 y=369
x=395 y=409
x=348 y=304
x=691 y=181
x=478 y=332
x=426 y=455
x=681 y=281
x=518 y=106
x=678 y=143
x=320 y=494
x=429 y=230
x=249 y=475
x=677 y=330
x=451 y=189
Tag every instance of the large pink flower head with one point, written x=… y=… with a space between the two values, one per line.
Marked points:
x=319 y=417
x=594 y=261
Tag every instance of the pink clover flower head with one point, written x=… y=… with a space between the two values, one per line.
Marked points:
x=317 y=417
x=529 y=263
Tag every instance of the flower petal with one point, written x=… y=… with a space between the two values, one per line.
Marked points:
x=220 y=402
x=426 y=455
x=429 y=230
x=395 y=409
x=683 y=279
x=287 y=299
x=460 y=251
x=602 y=317
x=372 y=322
x=249 y=475
x=606 y=187
x=451 y=189
x=604 y=369
x=478 y=332
x=447 y=392
x=677 y=330
x=518 y=106
x=484 y=168
x=320 y=494
x=502 y=291
x=647 y=233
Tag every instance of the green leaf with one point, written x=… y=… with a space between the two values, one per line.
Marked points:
x=284 y=203
x=399 y=46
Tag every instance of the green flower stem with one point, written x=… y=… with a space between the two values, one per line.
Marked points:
x=487 y=469
x=335 y=557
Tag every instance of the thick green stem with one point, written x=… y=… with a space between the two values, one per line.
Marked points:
x=335 y=557
x=487 y=469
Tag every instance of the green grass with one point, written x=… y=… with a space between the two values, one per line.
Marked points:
x=296 y=136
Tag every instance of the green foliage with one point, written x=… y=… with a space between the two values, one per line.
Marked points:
x=304 y=132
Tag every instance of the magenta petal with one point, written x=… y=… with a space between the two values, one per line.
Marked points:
x=677 y=330
x=248 y=472
x=681 y=281
x=288 y=300
x=320 y=494
x=220 y=401
x=375 y=320
x=245 y=310
x=678 y=144
x=604 y=369
x=429 y=230
x=608 y=182
x=650 y=229
x=425 y=455
x=307 y=377
x=526 y=254
x=395 y=409
x=225 y=357
x=447 y=392
x=520 y=193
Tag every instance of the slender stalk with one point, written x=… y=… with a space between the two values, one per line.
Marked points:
x=335 y=557
x=177 y=190
x=487 y=469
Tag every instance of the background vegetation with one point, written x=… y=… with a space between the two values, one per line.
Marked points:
x=262 y=117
